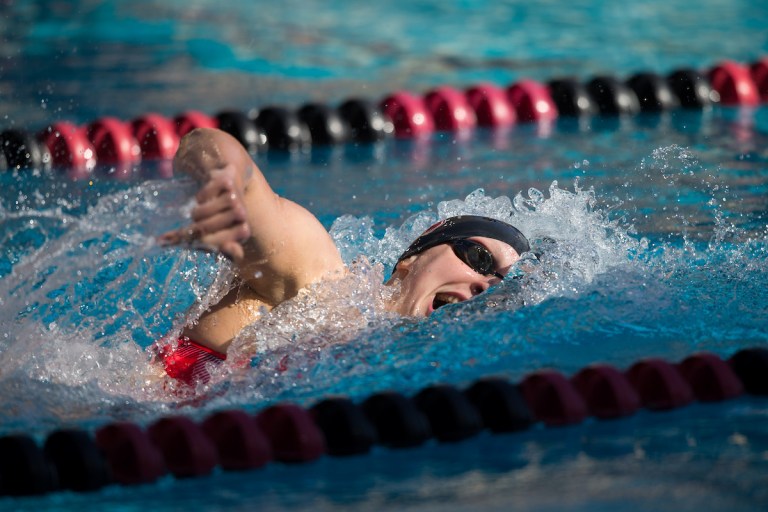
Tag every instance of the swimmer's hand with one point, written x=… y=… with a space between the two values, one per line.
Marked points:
x=219 y=219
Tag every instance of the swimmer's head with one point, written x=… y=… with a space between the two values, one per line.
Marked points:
x=453 y=261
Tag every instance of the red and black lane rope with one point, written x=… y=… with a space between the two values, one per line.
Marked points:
x=125 y=453
x=110 y=141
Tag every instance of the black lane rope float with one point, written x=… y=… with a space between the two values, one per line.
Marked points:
x=113 y=142
x=126 y=453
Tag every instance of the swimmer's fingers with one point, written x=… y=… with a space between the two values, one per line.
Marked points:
x=220 y=185
x=219 y=220
x=189 y=237
x=226 y=241
x=221 y=226
x=228 y=204
x=220 y=208
x=184 y=236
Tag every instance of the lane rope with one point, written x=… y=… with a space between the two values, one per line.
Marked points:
x=126 y=453
x=109 y=141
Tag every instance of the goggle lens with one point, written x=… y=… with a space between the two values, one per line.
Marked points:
x=476 y=256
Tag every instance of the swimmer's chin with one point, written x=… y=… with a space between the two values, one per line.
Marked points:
x=423 y=307
x=407 y=309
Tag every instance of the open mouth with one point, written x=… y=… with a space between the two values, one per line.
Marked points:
x=441 y=299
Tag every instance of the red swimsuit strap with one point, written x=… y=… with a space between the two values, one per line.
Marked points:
x=188 y=361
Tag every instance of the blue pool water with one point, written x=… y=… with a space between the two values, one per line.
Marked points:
x=660 y=222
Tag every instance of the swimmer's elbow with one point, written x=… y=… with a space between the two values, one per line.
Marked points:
x=194 y=141
x=203 y=150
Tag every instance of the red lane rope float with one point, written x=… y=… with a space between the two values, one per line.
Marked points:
x=659 y=384
x=606 y=391
x=734 y=83
x=238 y=439
x=532 y=101
x=156 y=135
x=185 y=447
x=759 y=71
x=68 y=145
x=192 y=119
x=292 y=433
x=491 y=106
x=409 y=114
x=113 y=141
x=132 y=457
x=710 y=378
x=124 y=453
x=553 y=399
x=450 y=109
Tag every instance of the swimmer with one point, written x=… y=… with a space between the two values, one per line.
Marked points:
x=278 y=248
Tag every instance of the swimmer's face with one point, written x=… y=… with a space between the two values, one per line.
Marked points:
x=437 y=277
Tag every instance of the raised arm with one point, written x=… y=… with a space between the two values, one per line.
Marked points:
x=278 y=247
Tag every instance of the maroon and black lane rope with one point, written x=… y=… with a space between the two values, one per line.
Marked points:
x=125 y=453
x=402 y=114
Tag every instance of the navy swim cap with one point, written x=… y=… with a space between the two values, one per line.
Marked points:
x=467 y=226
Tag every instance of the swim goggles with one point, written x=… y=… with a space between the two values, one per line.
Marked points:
x=476 y=256
x=456 y=231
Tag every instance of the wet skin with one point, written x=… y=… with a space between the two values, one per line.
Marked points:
x=437 y=277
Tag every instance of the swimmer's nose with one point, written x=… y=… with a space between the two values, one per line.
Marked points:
x=479 y=287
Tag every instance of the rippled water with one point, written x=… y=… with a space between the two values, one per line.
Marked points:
x=692 y=278
x=659 y=226
x=84 y=59
x=660 y=250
